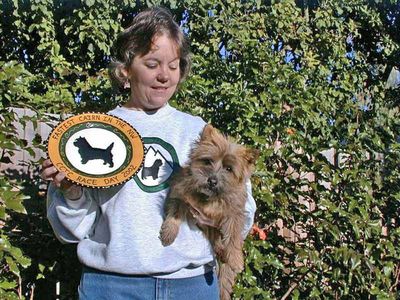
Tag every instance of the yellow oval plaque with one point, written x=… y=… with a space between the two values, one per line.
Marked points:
x=96 y=150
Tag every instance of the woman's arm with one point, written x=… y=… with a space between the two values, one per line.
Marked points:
x=71 y=209
x=72 y=220
x=249 y=210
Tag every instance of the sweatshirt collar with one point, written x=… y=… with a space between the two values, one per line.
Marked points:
x=153 y=114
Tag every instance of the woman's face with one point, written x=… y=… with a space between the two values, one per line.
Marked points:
x=154 y=76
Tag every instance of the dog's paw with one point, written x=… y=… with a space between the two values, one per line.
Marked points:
x=168 y=233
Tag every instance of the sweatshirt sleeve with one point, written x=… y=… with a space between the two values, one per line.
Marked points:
x=249 y=211
x=71 y=221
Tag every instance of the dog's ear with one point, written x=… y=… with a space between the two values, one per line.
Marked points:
x=252 y=155
x=208 y=132
x=212 y=135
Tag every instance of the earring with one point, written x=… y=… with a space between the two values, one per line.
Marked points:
x=127 y=85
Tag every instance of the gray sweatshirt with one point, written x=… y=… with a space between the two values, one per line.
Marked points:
x=117 y=229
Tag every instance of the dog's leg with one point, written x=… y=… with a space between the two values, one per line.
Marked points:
x=226 y=277
x=175 y=211
x=108 y=161
x=231 y=257
x=232 y=243
x=229 y=270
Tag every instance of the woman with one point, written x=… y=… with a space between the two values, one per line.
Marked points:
x=117 y=229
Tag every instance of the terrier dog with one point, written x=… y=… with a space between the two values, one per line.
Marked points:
x=214 y=183
x=153 y=170
x=88 y=152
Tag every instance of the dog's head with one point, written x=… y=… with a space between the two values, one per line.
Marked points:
x=80 y=141
x=219 y=165
x=158 y=162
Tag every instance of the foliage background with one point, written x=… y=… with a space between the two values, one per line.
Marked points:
x=291 y=78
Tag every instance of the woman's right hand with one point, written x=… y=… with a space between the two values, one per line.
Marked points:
x=50 y=173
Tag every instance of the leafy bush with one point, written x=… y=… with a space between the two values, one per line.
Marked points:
x=295 y=79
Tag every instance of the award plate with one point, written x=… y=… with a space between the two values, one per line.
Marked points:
x=96 y=150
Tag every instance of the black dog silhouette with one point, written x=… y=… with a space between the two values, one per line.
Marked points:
x=153 y=170
x=87 y=152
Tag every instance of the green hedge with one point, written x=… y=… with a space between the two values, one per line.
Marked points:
x=291 y=78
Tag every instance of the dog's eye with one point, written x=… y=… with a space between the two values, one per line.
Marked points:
x=207 y=161
x=229 y=169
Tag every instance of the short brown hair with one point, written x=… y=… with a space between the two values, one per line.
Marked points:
x=137 y=40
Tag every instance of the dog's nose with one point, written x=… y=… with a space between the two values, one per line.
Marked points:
x=212 y=181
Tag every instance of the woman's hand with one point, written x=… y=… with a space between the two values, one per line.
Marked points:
x=201 y=219
x=50 y=173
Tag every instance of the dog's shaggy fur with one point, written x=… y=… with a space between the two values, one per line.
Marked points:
x=213 y=182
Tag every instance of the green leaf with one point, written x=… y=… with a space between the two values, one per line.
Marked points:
x=8 y=285
x=89 y=3
x=12 y=265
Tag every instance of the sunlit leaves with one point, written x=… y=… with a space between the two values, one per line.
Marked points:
x=302 y=81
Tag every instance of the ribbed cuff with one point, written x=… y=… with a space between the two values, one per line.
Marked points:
x=78 y=203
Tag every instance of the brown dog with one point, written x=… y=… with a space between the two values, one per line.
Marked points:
x=213 y=183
